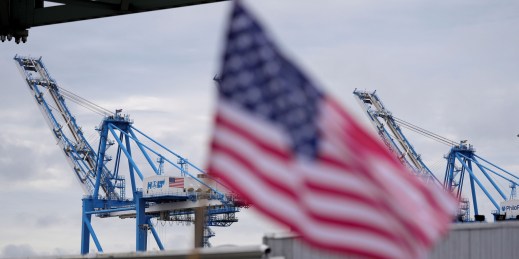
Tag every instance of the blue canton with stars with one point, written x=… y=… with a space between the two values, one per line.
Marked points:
x=258 y=78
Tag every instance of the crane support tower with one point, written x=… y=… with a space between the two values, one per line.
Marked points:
x=390 y=132
x=168 y=191
x=483 y=175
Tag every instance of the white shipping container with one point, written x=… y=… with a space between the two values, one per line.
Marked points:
x=511 y=208
x=162 y=185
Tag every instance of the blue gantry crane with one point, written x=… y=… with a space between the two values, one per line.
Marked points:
x=483 y=176
x=124 y=151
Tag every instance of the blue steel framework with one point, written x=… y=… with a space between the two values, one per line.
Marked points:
x=460 y=159
x=105 y=189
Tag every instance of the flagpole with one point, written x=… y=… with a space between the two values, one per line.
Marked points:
x=200 y=215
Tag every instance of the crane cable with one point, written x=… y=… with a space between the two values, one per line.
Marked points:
x=425 y=132
x=84 y=102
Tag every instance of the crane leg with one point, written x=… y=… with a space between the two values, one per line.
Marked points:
x=85 y=230
x=141 y=222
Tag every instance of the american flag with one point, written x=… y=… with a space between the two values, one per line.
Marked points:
x=176 y=182
x=288 y=148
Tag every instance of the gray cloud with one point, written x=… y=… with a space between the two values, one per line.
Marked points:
x=12 y=161
x=450 y=68
x=18 y=251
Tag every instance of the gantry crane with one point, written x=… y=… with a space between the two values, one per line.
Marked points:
x=461 y=159
x=169 y=195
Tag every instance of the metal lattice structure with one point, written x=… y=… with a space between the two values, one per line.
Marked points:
x=102 y=176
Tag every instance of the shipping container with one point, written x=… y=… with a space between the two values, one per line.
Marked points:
x=510 y=209
x=163 y=185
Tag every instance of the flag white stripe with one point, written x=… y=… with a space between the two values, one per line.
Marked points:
x=347 y=210
x=270 y=164
x=257 y=127
x=283 y=207
x=446 y=200
x=329 y=149
x=340 y=180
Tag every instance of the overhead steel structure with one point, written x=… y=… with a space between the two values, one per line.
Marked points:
x=17 y=16
x=103 y=177
x=483 y=175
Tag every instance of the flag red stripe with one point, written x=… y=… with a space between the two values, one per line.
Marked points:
x=343 y=193
x=339 y=164
x=222 y=121
x=247 y=163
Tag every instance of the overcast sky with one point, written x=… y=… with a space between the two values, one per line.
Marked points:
x=449 y=67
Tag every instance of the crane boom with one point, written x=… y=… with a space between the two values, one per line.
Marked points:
x=69 y=136
x=390 y=132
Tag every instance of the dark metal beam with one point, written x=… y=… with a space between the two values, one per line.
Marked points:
x=4 y=13
x=17 y=16
x=83 y=10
